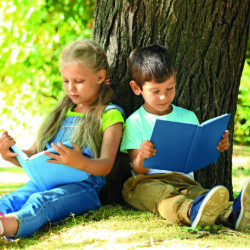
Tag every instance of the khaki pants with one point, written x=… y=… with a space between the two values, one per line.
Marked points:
x=169 y=195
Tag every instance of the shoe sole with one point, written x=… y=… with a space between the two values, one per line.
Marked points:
x=215 y=201
x=243 y=221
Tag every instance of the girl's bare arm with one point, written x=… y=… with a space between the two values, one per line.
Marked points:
x=6 y=141
x=100 y=166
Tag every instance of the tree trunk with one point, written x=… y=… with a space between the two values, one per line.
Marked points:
x=207 y=40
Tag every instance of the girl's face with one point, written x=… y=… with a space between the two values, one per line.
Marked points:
x=81 y=84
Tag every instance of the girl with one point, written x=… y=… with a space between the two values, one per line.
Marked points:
x=95 y=133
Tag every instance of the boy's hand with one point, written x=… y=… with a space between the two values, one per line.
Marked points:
x=5 y=142
x=138 y=156
x=147 y=149
x=224 y=143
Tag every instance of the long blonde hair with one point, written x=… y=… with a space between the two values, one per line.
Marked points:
x=89 y=130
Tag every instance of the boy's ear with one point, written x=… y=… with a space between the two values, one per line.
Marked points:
x=134 y=86
x=101 y=75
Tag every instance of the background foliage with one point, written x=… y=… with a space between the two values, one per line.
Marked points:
x=32 y=35
x=242 y=118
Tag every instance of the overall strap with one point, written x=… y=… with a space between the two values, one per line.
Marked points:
x=114 y=106
x=86 y=151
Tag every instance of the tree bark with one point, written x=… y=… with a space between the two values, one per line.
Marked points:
x=207 y=40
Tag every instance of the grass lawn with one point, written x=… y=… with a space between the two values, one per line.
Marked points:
x=119 y=227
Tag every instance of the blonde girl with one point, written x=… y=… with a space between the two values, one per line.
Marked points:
x=84 y=117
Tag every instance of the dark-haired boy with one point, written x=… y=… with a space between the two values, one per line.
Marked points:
x=175 y=196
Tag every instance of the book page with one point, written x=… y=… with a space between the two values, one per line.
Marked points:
x=209 y=135
x=173 y=142
x=48 y=175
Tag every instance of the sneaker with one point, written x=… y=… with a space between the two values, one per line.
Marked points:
x=206 y=208
x=241 y=209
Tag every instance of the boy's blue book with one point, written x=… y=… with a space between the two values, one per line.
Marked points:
x=48 y=175
x=184 y=147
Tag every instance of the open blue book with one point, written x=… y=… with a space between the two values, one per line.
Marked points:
x=184 y=147
x=48 y=175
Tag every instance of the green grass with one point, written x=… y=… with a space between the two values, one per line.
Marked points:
x=120 y=227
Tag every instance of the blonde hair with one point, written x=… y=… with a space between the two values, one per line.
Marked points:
x=89 y=130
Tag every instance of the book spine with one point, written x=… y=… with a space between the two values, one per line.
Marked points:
x=188 y=168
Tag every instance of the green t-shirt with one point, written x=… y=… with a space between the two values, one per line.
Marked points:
x=109 y=117
x=139 y=127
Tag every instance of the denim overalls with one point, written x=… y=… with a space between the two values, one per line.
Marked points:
x=34 y=208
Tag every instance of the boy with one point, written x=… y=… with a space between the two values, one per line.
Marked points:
x=174 y=196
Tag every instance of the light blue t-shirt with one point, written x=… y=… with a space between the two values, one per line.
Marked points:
x=139 y=127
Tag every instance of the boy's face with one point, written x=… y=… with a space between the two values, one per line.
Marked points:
x=157 y=96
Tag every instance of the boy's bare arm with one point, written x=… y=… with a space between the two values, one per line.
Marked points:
x=137 y=162
x=138 y=156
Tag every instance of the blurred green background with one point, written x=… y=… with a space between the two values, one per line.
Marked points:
x=32 y=34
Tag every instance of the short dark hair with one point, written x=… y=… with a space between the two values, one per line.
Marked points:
x=149 y=63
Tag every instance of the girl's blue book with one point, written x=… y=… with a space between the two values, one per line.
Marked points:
x=184 y=147
x=48 y=175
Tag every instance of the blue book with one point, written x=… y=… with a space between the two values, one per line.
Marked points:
x=184 y=147
x=48 y=175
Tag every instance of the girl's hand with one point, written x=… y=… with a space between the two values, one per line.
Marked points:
x=224 y=143
x=147 y=149
x=5 y=142
x=66 y=155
